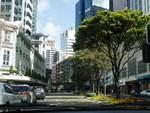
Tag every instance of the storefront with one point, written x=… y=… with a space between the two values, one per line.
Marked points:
x=131 y=85
x=144 y=82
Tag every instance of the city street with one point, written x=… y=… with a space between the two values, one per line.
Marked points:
x=68 y=99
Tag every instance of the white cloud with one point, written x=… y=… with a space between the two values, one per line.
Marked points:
x=53 y=32
x=51 y=29
x=43 y=5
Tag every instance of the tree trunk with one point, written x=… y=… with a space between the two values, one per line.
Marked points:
x=93 y=86
x=98 y=87
x=117 y=88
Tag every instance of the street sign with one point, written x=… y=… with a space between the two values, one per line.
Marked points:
x=148 y=34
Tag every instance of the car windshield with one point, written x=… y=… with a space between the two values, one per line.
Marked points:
x=73 y=54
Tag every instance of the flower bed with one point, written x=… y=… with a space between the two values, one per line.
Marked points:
x=112 y=100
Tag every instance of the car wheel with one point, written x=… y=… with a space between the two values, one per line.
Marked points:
x=42 y=98
x=35 y=101
x=7 y=110
x=22 y=101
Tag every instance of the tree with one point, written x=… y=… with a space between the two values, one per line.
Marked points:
x=18 y=69
x=11 y=71
x=87 y=66
x=119 y=35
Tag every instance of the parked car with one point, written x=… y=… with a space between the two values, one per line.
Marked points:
x=135 y=92
x=7 y=95
x=145 y=93
x=40 y=93
x=27 y=92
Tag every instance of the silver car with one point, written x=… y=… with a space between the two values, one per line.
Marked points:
x=40 y=93
x=7 y=95
x=145 y=93
x=27 y=92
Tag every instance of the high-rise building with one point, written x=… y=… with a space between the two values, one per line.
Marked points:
x=51 y=54
x=143 y=5
x=34 y=16
x=88 y=8
x=56 y=57
x=18 y=10
x=115 y=5
x=38 y=41
x=67 y=39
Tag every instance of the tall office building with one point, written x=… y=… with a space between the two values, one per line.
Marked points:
x=88 y=8
x=51 y=54
x=18 y=10
x=34 y=16
x=67 y=39
x=143 y=5
x=56 y=57
x=115 y=5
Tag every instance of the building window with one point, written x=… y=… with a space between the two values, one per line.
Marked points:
x=142 y=67
x=132 y=67
x=20 y=52
x=7 y=36
x=7 y=0
x=16 y=49
x=124 y=72
x=23 y=54
x=6 y=57
x=8 y=8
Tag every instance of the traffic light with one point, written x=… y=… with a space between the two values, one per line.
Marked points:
x=146 y=53
x=148 y=34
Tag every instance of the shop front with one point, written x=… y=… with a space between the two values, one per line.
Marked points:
x=144 y=82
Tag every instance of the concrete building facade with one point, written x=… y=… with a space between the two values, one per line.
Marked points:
x=18 y=55
x=67 y=39
x=18 y=10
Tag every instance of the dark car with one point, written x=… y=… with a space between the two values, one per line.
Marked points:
x=39 y=91
x=135 y=92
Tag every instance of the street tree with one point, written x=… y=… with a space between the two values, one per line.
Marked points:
x=119 y=35
x=90 y=66
x=11 y=71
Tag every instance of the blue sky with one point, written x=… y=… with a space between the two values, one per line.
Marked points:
x=55 y=16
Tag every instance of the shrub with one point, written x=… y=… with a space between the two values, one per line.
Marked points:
x=90 y=94
x=112 y=100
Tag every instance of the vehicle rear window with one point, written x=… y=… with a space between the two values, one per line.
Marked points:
x=20 y=88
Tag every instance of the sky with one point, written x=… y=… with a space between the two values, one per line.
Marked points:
x=57 y=16
x=54 y=17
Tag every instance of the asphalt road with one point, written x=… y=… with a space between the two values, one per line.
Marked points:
x=68 y=99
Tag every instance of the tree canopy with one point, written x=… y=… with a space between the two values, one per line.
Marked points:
x=87 y=66
x=116 y=34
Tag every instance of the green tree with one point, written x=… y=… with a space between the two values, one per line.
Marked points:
x=11 y=71
x=87 y=66
x=18 y=69
x=119 y=35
